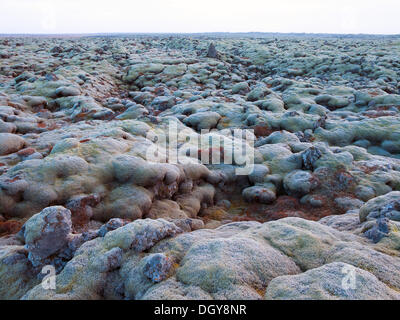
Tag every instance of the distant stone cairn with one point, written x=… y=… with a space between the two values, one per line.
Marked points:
x=212 y=52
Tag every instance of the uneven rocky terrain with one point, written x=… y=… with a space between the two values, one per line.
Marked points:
x=318 y=217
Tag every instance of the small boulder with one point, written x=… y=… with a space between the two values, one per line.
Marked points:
x=299 y=183
x=157 y=267
x=203 y=120
x=241 y=88
x=212 y=52
x=46 y=233
x=67 y=91
x=387 y=206
x=379 y=230
x=112 y=224
x=348 y=203
x=309 y=157
x=6 y=127
x=259 y=173
x=259 y=194
x=10 y=143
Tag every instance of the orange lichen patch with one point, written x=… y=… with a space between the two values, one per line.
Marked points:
x=384 y=108
x=53 y=127
x=13 y=179
x=368 y=170
x=214 y=213
x=283 y=207
x=261 y=292
x=175 y=265
x=81 y=210
x=244 y=218
x=84 y=114
x=159 y=91
x=290 y=203
x=226 y=99
x=382 y=111
x=237 y=207
x=80 y=219
x=374 y=93
x=9 y=227
x=224 y=122
x=15 y=105
x=343 y=180
x=26 y=152
x=262 y=130
x=41 y=125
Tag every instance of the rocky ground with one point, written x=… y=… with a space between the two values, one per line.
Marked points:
x=317 y=218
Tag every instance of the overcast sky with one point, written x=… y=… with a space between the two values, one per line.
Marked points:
x=97 y=16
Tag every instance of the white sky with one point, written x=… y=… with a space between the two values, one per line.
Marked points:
x=96 y=16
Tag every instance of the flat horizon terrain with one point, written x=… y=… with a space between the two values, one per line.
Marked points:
x=254 y=34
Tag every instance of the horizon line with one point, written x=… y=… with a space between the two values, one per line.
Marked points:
x=197 y=33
